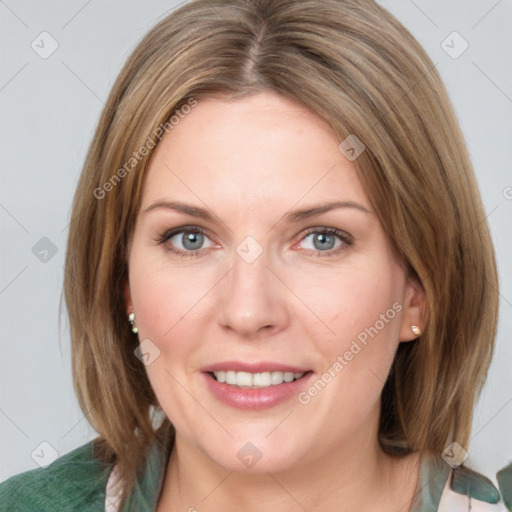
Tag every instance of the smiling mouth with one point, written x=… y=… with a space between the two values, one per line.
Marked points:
x=255 y=380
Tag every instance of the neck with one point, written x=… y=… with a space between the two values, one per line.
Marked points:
x=355 y=476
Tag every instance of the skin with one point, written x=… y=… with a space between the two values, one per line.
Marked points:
x=249 y=162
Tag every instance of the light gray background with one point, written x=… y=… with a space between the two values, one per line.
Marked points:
x=49 y=108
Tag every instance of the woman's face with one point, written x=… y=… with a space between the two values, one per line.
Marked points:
x=257 y=259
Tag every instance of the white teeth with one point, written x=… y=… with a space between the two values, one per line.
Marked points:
x=277 y=378
x=261 y=380
x=243 y=379
x=255 y=380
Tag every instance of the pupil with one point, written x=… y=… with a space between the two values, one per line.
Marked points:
x=325 y=241
x=192 y=241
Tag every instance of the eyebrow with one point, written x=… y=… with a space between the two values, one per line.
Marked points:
x=293 y=216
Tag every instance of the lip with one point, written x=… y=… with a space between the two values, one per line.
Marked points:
x=255 y=398
x=260 y=367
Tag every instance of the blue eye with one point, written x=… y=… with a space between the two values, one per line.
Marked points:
x=323 y=241
x=189 y=241
x=327 y=241
x=186 y=241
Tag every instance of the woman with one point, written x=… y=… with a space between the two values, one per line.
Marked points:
x=278 y=265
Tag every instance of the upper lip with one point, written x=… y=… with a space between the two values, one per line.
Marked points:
x=259 y=367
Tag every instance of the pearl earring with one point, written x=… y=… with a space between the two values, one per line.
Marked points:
x=131 y=319
x=416 y=330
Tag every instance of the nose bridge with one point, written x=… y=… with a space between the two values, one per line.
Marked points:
x=250 y=273
x=251 y=298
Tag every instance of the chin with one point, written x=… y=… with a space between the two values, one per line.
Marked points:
x=251 y=459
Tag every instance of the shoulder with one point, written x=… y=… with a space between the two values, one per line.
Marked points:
x=75 y=481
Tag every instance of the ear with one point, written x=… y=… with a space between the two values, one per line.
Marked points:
x=414 y=310
x=127 y=297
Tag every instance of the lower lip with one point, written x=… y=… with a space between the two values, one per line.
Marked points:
x=255 y=398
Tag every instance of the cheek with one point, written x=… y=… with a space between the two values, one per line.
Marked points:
x=365 y=298
x=166 y=300
x=362 y=311
x=169 y=306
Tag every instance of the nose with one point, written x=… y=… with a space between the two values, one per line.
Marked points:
x=252 y=299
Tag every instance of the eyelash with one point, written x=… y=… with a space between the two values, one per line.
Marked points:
x=345 y=238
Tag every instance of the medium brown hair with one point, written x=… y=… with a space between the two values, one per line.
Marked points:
x=357 y=67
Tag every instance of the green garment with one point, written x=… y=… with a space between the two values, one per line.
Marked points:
x=77 y=481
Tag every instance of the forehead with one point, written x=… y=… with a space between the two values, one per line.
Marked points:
x=260 y=150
